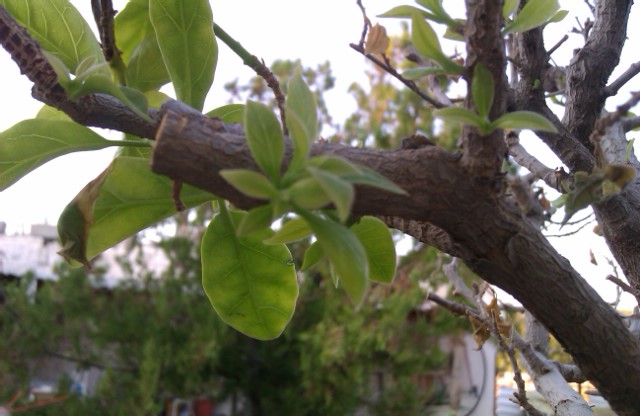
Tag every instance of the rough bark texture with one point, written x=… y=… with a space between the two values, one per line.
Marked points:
x=455 y=201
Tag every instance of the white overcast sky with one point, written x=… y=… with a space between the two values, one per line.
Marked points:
x=278 y=29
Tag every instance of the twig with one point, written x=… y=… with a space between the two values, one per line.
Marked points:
x=614 y=87
x=366 y=26
x=521 y=394
x=557 y=45
x=605 y=122
x=258 y=66
x=392 y=71
x=624 y=286
x=103 y=14
x=455 y=307
x=630 y=123
x=577 y=230
x=525 y=159
x=451 y=271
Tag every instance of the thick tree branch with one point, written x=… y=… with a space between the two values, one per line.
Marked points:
x=532 y=60
x=495 y=241
x=591 y=67
x=484 y=154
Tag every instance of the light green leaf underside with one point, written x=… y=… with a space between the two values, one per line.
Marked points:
x=184 y=31
x=378 y=243
x=58 y=27
x=251 y=285
x=132 y=198
x=31 y=143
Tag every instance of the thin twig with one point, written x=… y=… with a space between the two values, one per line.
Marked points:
x=525 y=159
x=366 y=26
x=557 y=45
x=624 y=286
x=258 y=66
x=577 y=230
x=392 y=71
x=614 y=87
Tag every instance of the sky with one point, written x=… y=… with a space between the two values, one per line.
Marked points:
x=278 y=29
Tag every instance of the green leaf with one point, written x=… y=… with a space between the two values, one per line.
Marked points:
x=230 y=113
x=252 y=286
x=293 y=230
x=417 y=73
x=257 y=219
x=559 y=16
x=302 y=118
x=131 y=26
x=370 y=177
x=50 y=113
x=482 y=89
x=184 y=30
x=460 y=115
x=524 y=120
x=94 y=77
x=533 y=14
x=126 y=198
x=31 y=143
x=407 y=12
x=334 y=164
x=265 y=138
x=378 y=244
x=58 y=27
x=312 y=255
x=345 y=252
x=146 y=69
x=339 y=191
x=439 y=13
x=250 y=183
x=426 y=43
x=587 y=189
x=509 y=7
x=307 y=193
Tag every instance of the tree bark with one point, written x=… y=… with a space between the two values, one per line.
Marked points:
x=491 y=236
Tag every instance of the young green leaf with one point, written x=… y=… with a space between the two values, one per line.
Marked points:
x=482 y=89
x=460 y=115
x=378 y=244
x=407 y=12
x=257 y=219
x=312 y=256
x=439 y=13
x=265 y=138
x=146 y=70
x=334 y=164
x=559 y=16
x=345 y=252
x=302 y=118
x=419 y=72
x=250 y=183
x=31 y=143
x=524 y=120
x=184 y=30
x=370 y=177
x=533 y=14
x=252 y=286
x=426 y=43
x=126 y=198
x=509 y=7
x=307 y=193
x=132 y=25
x=58 y=27
x=292 y=230
x=339 y=191
x=230 y=113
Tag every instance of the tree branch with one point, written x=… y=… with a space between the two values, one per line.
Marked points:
x=613 y=88
x=592 y=65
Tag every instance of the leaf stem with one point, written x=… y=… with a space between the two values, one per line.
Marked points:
x=258 y=66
